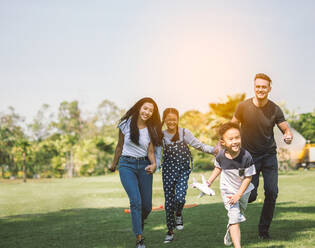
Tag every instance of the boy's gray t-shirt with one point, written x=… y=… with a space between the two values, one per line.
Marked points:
x=230 y=180
x=189 y=139
x=130 y=148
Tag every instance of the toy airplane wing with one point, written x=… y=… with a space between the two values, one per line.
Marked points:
x=203 y=187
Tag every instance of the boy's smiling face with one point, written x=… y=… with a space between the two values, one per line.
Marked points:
x=231 y=140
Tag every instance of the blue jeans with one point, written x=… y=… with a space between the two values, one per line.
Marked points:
x=138 y=185
x=268 y=165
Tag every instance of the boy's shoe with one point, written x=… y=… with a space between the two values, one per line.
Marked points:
x=140 y=243
x=179 y=222
x=264 y=235
x=227 y=238
x=169 y=237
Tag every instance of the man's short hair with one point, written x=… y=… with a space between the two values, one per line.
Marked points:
x=263 y=76
x=227 y=126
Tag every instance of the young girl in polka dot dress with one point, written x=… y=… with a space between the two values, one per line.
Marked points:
x=176 y=168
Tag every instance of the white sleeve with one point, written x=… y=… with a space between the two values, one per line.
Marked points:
x=251 y=170
x=190 y=139
x=124 y=126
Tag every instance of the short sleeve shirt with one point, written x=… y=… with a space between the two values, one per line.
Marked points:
x=234 y=171
x=130 y=148
x=257 y=125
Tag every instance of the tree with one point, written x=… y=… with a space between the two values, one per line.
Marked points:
x=69 y=124
x=305 y=125
x=108 y=113
x=41 y=125
x=23 y=147
x=227 y=108
x=11 y=132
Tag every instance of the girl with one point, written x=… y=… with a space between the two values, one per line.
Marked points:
x=140 y=131
x=176 y=169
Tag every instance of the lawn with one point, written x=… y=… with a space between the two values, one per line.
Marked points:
x=89 y=212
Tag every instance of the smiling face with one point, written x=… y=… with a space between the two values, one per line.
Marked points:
x=231 y=140
x=171 y=121
x=146 y=111
x=262 y=88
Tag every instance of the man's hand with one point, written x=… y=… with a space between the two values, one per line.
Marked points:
x=150 y=169
x=288 y=138
x=234 y=199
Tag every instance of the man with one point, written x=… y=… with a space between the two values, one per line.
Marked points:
x=258 y=116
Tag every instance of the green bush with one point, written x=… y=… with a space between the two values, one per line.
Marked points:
x=205 y=163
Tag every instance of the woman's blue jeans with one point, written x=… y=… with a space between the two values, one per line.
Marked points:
x=138 y=185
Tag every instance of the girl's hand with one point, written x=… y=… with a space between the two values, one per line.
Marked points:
x=233 y=199
x=150 y=169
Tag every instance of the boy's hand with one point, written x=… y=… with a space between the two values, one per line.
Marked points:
x=234 y=199
x=150 y=169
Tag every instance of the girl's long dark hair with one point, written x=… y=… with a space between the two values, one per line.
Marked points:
x=153 y=124
x=171 y=111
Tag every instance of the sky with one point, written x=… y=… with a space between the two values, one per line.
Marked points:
x=182 y=53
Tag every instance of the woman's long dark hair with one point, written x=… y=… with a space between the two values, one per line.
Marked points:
x=171 y=111
x=153 y=124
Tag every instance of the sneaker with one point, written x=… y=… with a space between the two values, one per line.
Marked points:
x=227 y=238
x=140 y=244
x=179 y=222
x=169 y=237
x=264 y=235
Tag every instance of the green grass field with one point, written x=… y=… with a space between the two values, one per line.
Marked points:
x=89 y=212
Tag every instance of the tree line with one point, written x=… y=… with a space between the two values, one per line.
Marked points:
x=70 y=144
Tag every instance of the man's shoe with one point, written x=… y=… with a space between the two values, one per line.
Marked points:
x=169 y=237
x=264 y=235
x=227 y=238
x=140 y=244
x=179 y=222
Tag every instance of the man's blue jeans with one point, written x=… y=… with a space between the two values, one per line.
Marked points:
x=138 y=185
x=268 y=165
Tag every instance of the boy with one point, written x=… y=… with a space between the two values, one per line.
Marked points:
x=237 y=168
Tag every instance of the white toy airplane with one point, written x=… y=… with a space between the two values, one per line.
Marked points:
x=203 y=187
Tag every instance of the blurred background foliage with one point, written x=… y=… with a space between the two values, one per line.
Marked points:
x=68 y=143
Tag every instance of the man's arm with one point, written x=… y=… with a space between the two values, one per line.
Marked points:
x=285 y=129
x=235 y=120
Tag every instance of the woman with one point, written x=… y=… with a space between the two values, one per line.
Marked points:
x=140 y=132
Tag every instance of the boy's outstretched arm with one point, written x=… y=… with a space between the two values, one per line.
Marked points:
x=215 y=173
x=234 y=198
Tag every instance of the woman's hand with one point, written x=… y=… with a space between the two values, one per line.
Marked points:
x=112 y=168
x=150 y=169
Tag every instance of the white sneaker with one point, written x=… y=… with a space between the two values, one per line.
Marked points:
x=168 y=238
x=227 y=237
x=140 y=244
x=179 y=222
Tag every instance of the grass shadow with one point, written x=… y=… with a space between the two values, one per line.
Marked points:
x=111 y=227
